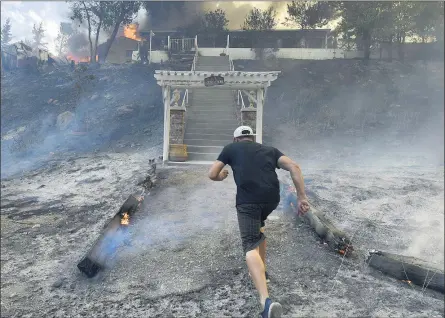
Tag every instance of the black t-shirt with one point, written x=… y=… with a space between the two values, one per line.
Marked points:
x=253 y=166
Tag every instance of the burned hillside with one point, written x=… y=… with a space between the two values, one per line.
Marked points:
x=184 y=256
x=338 y=102
x=86 y=110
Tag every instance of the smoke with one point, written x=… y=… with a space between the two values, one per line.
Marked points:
x=171 y=15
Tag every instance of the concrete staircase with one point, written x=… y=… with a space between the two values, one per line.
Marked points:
x=211 y=116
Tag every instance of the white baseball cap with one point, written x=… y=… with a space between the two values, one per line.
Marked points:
x=243 y=131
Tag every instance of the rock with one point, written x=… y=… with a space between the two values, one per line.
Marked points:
x=58 y=283
x=94 y=97
x=35 y=226
x=64 y=120
x=124 y=110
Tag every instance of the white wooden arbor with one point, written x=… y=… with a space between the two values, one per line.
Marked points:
x=250 y=84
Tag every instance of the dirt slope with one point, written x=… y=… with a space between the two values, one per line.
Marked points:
x=185 y=258
x=377 y=172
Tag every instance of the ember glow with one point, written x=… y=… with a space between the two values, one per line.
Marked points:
x=85 y=59
x=125 y=219
x=131 y=32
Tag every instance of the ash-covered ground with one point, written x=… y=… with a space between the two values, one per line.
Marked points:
x=380 y=184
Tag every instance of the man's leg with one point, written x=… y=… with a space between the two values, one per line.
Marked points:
x=262 y=249
x=258 y=273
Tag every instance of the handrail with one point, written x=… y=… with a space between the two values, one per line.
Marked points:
x=232 y=67
x=185 y=99
x=240 y=96
x=195 y=58
x=194 y=61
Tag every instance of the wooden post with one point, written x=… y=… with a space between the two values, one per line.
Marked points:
x=149 y=58
x=166 y=93
x=259 y=115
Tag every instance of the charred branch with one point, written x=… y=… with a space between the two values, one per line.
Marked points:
x=407 y=269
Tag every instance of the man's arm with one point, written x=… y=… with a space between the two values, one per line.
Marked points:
x=295 y=172
x=216 y=172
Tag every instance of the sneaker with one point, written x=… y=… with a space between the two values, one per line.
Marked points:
x=271 y=310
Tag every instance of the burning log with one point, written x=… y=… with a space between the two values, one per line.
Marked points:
x=95 y=259
x=116 y=229
x=336 y=239
x=407 y=269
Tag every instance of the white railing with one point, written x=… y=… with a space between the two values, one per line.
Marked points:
x=240 y=99
x=185 y=99
x=195 y=58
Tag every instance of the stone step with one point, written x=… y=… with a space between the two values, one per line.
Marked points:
x=212 y=125
x=207 y=142
x=203 y=130
x=204 y=149
x=211 y=69
x=227 y=114
x=205 y=98
x=213 y=119
x=225 y=64
x=225 y=108
x=207 y=136
x=210 y=122
x=211 y=109
x=196 y=156
x=211 y=99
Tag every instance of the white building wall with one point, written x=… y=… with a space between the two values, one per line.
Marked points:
x=285 y=53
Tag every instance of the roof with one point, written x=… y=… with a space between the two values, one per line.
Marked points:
x=232 y=79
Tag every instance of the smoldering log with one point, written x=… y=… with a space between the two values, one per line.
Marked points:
x=95 y=259
x=337 y=240
x=408 y=269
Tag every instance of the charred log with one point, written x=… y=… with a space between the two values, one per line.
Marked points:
x=337 y=240
x=96 y=258
x=116 y=229
x=408 y=269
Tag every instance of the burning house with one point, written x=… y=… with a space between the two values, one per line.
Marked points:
x=133 y=44
x=124 y=48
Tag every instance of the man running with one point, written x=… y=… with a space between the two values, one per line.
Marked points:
x=258 y=194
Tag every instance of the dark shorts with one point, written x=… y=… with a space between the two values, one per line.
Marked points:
x=251 y=219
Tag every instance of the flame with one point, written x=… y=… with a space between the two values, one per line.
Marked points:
x=125 y=219
x=76 y=59
x=131 y=32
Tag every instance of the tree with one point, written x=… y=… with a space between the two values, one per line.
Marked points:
x=6 y=33
x=362 y=20
x=160 y=11
x=62 y=39
x=118 y=13
x=38 y=33
x=260 y=20
x=427 y=19
x=210 y=22
x=309 y=15
x=215 y=21
x=93 y=13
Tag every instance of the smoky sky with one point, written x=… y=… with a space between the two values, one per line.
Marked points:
x=24 y=14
